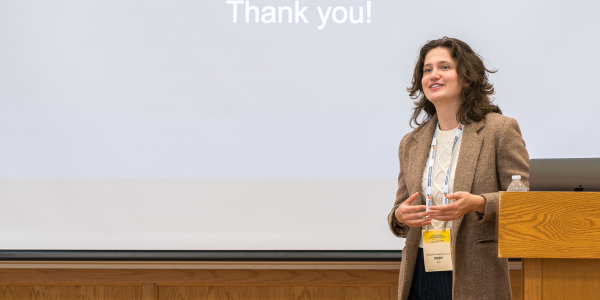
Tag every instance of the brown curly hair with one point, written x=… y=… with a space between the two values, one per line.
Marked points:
x=471 y=71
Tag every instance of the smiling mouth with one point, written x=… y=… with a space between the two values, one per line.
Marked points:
x=435 y=86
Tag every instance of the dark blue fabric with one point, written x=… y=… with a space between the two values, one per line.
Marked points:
x=430 y=285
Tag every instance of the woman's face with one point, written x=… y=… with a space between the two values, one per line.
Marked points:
x=440 y=81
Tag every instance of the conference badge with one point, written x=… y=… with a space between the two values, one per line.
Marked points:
x=437 y=250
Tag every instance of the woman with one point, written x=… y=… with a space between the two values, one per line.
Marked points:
x=451 y=87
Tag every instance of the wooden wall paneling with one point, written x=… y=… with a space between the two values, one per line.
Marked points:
x=149 y=291
x=275 y=292
x=188 y=276
x=516 y=284
x=218 y=284
x=394 y=292
x=59 y=292
x=147 y=284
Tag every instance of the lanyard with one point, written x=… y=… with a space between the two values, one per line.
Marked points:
x=431 y=160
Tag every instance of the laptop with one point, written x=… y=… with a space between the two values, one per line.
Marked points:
x=565 y=174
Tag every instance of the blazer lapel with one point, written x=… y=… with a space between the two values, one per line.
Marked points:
x=467 y=162
x=418 y=158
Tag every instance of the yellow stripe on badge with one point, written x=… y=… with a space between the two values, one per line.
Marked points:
x=435 y=236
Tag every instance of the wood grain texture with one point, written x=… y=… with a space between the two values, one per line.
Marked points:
x=549 y=225
x=163 y=284
x=532 y=278
x=43 y=292
x=209 y=277
x=274 y=292
x=394 y=292
x=516 y=284
x=571 y=279
x=149 y=291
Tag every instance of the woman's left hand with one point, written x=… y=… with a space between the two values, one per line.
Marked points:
x=463 y=203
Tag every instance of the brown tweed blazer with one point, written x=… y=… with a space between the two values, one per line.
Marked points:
x=492 y=150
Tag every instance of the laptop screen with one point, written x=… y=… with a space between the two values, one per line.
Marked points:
x=565 y=174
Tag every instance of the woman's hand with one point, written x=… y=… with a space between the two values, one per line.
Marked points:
x=412 y=216
x=463 y=203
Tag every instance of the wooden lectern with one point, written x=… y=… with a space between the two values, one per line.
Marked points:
x=557 y=234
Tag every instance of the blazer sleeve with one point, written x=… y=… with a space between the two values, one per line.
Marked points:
x=511 y=159
x=398 y=229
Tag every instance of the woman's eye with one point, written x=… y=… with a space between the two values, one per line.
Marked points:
x=427 y=70
x=445 y=67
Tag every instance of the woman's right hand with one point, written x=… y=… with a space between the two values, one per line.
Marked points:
x=412 y=216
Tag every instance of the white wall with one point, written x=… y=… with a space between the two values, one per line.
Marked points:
x=117 y=102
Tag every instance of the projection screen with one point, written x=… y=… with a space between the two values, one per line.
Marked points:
x=260 y=124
